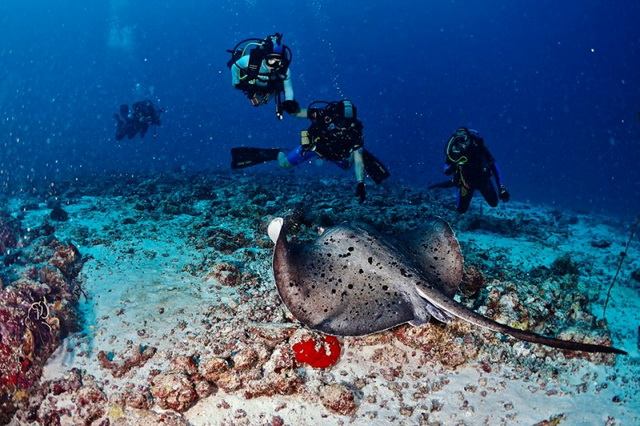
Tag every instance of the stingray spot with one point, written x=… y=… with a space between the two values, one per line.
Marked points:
x=328 y=254
x=385 y=287
x=370 y=260
x=350 y=286
x=333 y=291
x=350 y=249
x=360 y=271
x=404 y=273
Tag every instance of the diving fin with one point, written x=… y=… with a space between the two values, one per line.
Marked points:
x=374 y=167
x=246 y=157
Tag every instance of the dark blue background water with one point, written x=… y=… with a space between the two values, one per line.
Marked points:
x=554 y=87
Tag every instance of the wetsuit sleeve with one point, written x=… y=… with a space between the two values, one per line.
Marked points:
x=496 y=173
x=358 y=164
x=449 y=167
x=235 y=69
x=493 y=166
x=288 y=87
x=487 y=155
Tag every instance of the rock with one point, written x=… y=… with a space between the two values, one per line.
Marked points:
x=58 y=214
x=600 y=243
x=173 y=391
x=338 y=399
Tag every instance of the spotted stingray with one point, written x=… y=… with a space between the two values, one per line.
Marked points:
x=354 y=281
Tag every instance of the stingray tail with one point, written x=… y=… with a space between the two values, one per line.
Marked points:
x=462 y=312
x=560 y=344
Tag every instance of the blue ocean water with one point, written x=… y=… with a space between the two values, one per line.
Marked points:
x=553 y=87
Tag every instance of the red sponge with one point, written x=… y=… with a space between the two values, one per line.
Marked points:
x=318 y=354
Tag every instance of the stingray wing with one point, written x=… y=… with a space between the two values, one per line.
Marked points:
x=436 y=253
x=347 y=283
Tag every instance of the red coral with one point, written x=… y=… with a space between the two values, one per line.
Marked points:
x=318 y=354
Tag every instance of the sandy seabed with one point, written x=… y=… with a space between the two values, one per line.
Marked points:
x=181 y=322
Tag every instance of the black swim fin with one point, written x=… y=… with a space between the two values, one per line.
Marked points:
x=246 y=157
x=374 y=167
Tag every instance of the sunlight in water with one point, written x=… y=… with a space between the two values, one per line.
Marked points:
x=120 y=35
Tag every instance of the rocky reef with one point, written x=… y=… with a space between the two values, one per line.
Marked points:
x=160 y=362
x=39 y=290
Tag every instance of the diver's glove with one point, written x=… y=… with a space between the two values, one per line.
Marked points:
x=291 y=107
x=504 y=194
x=361 y=192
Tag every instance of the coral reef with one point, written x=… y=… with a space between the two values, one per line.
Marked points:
x=232 y=339
x=36 y=312
x=8 y=238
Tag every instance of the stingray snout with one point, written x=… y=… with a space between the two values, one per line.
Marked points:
x=274 y=228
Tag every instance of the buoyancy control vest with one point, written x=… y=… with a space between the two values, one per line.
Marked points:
x=335 y=130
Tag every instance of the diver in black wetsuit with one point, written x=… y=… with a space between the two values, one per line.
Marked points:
x=144 y=114
x=335 y=135
x=472 y=165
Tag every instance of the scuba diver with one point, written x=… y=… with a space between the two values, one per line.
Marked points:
x=144 y=114
x=263 y=72
x=335 y=135
x=471 y=163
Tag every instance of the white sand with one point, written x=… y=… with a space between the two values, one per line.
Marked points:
x=139 y=270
